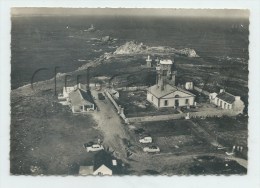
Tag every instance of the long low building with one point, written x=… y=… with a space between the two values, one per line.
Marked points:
x=227 y=101
x=170 y=96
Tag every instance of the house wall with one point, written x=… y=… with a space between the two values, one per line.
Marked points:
x=103 y=170
x=160 y=103
x=182 y=101
x=75 y=109
x=222 y=104
x=239 y=106
x=66 y=91
x=152 y=99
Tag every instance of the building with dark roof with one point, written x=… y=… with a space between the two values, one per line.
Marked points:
x=227 y=101
x=165 y=93
x=103 y=164
x=81 y=101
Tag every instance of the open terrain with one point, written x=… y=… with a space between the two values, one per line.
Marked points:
x=46 y=138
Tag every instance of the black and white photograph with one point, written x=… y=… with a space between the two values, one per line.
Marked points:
x=111 y=92
x=129 y=94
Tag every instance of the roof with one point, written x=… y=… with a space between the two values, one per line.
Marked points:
x=104 y=158
x=227 y=97
x=101 y=158
x=81 y=86
x=68 y=89
x=166 y=62
x=85 y=170
x=168 y=89
x=104 y=170
x=79 y=97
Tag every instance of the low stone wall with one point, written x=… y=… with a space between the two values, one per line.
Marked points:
x=132 y=88
x=201 y=114
x=120 y=110
x=112 y=100
x=156 y=118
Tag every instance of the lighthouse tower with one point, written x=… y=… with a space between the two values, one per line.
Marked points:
x=149 y=61
x=165 y=74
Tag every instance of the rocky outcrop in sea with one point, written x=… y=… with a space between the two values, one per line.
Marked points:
x=133 y=47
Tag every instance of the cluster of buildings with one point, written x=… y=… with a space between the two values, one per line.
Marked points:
x=165 y=93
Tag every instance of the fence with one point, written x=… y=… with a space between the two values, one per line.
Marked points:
x=135 y=88
x=112 y=100
x=120 y=110
x=201 y=114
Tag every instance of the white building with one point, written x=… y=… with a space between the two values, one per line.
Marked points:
x=103 y=170
x=104 y=164
x=81 y=101
x=68 y=89
x=165 y=93
x=170 y=96
x=227 y=101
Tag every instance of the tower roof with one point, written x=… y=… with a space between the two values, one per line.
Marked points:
x=166 y=62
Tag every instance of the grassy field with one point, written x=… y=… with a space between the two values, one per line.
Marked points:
x=229 y=131
x=46 y=138
x=174 y=136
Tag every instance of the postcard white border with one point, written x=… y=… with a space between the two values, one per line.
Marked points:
x=251 y=180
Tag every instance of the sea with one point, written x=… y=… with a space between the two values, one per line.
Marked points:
x=46 y=42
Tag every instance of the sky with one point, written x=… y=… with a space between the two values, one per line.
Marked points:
x=217 y=13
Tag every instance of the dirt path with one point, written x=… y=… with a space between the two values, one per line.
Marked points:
x=111 y=126
x=205 y=135
x=114 y=132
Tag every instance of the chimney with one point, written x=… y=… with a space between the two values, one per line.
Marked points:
x=78 y=77
x=222 y=90
x=237 y=98
x=173 y=79
x=163 y=84
x=158 y=79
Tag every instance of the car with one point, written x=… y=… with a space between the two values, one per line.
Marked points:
x=101 y=96
x=152 y=149
x=146 y=139
x=94 y=147
x=88 y=144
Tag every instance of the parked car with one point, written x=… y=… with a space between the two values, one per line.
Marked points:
x=93 y=147
x=146 y=139
x=88 y=144
x=101 y=96
x=152 y=149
